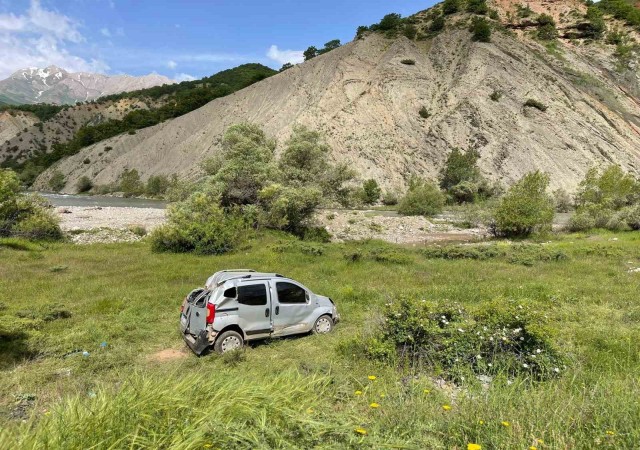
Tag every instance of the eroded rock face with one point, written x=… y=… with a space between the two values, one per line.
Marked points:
x=367 y=103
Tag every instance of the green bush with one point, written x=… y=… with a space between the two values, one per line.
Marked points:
x=370 y=191
x=198 y=225
x=422 y=199
x=84 y=184
x=57 y=181
x=437 y=24
x=157 y=185
x=424 y=112
x=25 y=216
x=450 y=6
x=390 y=198
x=477 y=6
x=461 y=179
x=547 y=32
x=562 y=200
x=632 y=217
x=288 y=208
x=481 y=29
x=130 y=184
x=501 y=337
x=526 y=207
x=408 y=62
x=496 y=95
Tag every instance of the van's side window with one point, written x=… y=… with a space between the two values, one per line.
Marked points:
x=290 y=293
x=253 y=295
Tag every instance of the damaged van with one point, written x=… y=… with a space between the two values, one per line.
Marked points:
x=237 y=306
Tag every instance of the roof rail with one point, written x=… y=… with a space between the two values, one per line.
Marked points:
x=238 y=270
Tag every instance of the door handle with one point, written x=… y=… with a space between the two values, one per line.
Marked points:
x=266 y=312
x=277 y=310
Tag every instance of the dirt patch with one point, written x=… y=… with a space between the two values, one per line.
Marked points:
x=168 y=354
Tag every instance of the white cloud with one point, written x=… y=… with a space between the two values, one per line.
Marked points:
x=183 y=77
x=38 y=38
x=172 y=64
x=105 y=32
x=285 y=56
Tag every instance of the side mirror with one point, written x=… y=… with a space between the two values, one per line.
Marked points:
x=230 y=293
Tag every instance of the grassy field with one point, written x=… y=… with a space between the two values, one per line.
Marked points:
x=138 y=388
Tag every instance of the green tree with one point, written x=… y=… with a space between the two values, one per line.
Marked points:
x=437 y=24
x=477 y=6
x=370 y=191
x=410 y=31
x=526 y=207
x=390 y=22
x=331 y=45
x=130 y=184
x=310 y=53
x=289 y=208
x=286 y=66
x=248 y=164
x=481 y=29
x=460 y=166
x=422 y=199
x=84 y=184
x=611 y=189
x=157 y=185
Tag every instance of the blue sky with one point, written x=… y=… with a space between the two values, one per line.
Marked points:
x=180 y=39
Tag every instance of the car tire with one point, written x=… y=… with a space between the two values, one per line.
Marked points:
x=228 y=341
x=323 y=325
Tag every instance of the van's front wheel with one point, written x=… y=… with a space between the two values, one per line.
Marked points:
x=323 y=325
x=228 y=341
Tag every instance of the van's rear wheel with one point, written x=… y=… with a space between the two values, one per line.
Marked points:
x=228 y=341
x=323 y=325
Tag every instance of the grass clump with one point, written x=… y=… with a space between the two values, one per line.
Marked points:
x=408 y=62
x=424 y=112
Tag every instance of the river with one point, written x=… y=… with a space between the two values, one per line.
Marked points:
x=103 y=201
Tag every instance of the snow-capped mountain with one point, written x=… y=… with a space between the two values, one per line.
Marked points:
x=55 y=85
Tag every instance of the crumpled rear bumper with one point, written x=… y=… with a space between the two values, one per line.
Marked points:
x=197 y=344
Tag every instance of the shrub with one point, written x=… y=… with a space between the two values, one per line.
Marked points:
x=461 y=179
x=390 y=22
x=502 y=337
x=632 y=217
x=410 y=31
x=545 y=19
x=130 y=183
x=424 y=112
x=450 y=6
x=408 y=62
x=613 y=188
x=581 y=221
x=526 y=207
x=57 y=181
x=198 y=225
x=477 y=6
x=496 y=95
x=547 y=32
x=422 y=199
x=437 y=24
x=25 y=216
x=157 y=185
x=371 y=191
x=481 y=29
x=84 y=184
x=288 y=208
x=531 y=103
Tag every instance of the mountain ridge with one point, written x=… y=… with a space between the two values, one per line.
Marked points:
x=58 y=86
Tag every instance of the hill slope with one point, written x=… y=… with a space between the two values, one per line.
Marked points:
x=367 y=102
x=55 y=85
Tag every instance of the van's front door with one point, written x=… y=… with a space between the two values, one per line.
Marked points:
x=292 y=310
x=254 y=309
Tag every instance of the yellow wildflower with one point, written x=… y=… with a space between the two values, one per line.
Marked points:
x=372 y=377
x=426 y=391
x=382 y=395
x=374 y=405
x=358 y=392
x=533 y=448
x=481 y=422
x=446 y=407
x=208 y=445
x=539 y=441
x=361 y=431
x=474 y=447
x=506 y=424
x=309 y=410
x=610 y=432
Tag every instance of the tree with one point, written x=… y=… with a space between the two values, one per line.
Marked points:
x=612 y=189
x=362 y=29
x=410 y=31
x=310 y=53
x=370 y=191
x=461 y=178
x=286 y=66
x=422 y=199
x=248 y=166
x=130 y=183
x=331 y=45
x=481 y=29
x=526 y=207
x=390 y=22
x=437 y=24
x=84 y=184
x=477 y=6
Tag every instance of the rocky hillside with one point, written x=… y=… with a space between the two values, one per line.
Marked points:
x=394 y=106
x=55 y=85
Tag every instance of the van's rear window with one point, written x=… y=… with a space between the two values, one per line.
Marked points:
x=253 y=295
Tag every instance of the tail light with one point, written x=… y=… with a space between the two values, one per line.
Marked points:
x=211 y=313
